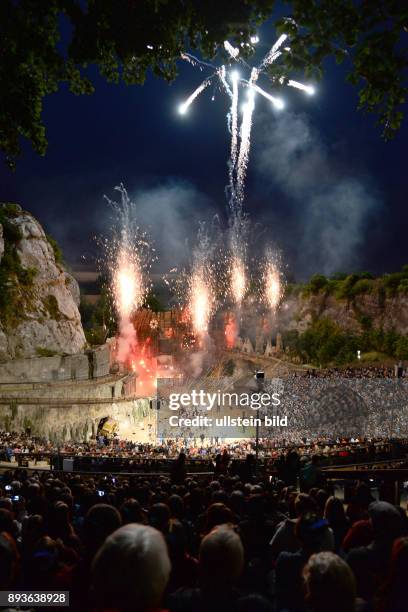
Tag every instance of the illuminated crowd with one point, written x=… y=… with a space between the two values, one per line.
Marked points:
x=369 y=371
x=210 y=543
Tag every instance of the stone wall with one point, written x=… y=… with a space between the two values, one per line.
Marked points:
x=94 y=363
x=41 y=369
x=99 y=360
x=77 y=422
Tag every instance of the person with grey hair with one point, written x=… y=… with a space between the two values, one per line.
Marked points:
x=221 y=563
x=131 y=570
x=329 y=583
x=370 y=563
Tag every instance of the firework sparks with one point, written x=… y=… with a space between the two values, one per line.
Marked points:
x=231 y=331
x=128 y=284
x=128 y=256
x=245 y=144
x=234 y=131
x=200 y=286
x=306 y=88
x=238 y=280
x=200 y=289
x=277 y=102
x=200 y=302
x=222 y=74
x=274 y=52
x=240 y=150
x=233 y=51
x=183 y=107
x=272 y=283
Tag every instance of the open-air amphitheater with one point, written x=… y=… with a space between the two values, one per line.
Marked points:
x=53 y=385
x=65 y=398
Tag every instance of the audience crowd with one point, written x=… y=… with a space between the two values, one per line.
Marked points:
x=229 y=541
x=365 y=371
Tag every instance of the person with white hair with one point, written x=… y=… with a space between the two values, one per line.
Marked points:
x=131 y=570
x=329 y=584
x=221 y=563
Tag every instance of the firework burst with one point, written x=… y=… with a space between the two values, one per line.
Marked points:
x=230 y=82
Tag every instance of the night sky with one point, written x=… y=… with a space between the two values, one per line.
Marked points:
x=322 y=184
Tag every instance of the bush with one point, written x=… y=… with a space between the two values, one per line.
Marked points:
x=228 y=368
x=45 y=352
x=391 y=282
x=16 y=284
x=403 y=286
x=364 y=285
x=59 y=258
x=153 y=303
x=51 y=306
x=99 y=318
x=325 y=343
x=317 y=283
x=95 y=336
x=345 y=288
x=401 y=348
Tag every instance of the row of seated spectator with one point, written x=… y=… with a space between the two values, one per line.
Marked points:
x=183 y=544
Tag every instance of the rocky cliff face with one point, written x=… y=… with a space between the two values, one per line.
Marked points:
x=39 y=300
x=366 y=310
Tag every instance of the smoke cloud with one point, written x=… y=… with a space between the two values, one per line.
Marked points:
x=327 y=210
x=171 y=212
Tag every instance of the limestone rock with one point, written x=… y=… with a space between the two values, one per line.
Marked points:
x=3 y=346
x=269 y=350
x=247 y=347
x=298 y=313
x=47 y=320
x=73 y=288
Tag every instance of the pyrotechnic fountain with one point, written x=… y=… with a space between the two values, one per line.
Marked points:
x=128 y=294
x=272 y=284
x=238 y=280
x=230 y=82
x=201 y=297
x=129 y=258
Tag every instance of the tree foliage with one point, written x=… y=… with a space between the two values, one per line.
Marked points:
x=326 y=343
x=370 y=35
x=350 y=286
x=126 y=38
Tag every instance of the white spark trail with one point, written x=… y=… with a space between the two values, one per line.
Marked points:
x=241 y=135
x=233 y=51
x=307 y=88
x=234 y=122
x=274 y=53
x=183 y=107
x=277 y=102
x=246 y=126
x=188 y=59
x=222 y=74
